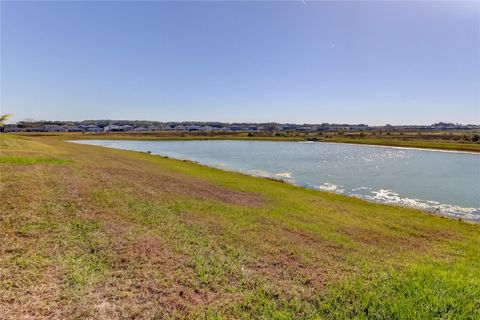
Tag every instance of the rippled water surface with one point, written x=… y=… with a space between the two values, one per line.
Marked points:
x=444 y=182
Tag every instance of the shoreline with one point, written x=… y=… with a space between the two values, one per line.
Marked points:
x=444 y=145
x=399 y=147
x=266 y=139
x=471 y=217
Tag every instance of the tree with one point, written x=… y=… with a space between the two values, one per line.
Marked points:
x=3 y=119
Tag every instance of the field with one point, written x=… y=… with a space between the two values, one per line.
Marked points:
x=446 y=140
x=91 y=232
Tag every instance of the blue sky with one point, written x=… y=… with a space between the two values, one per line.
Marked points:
x=337 y=62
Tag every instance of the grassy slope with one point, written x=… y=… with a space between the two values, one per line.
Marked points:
x=93 y=232
x=412 y=140
x=435 y=144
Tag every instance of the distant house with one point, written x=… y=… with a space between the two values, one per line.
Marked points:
x=235 y=128
x=117 y=128
x=166 y=127
x=113 y=128
x=153 y=128
x=92 y=128
x=54 y=128
x=127 y=127
x=13 y=128
x=180 y=128
x=193 y=128
x=208 y=128
x=305 y=128
x=140 y=129
x=75 y=129
x=288 y=127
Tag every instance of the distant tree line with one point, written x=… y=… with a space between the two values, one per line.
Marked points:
x=239 y=126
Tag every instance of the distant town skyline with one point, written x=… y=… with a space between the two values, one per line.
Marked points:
x=401 y=63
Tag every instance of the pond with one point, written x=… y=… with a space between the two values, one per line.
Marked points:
x=443 y=182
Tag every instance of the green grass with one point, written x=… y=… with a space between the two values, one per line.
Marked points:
x=130 y=235
x=428 y=144
x=31 y=160
x=411 y=294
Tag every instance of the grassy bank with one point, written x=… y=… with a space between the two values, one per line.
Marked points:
x=91 y=232
x=414 y=143
x=429 y=140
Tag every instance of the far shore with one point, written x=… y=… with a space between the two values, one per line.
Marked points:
x=437 y=141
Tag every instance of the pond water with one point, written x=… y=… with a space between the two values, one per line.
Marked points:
x=443 y=182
